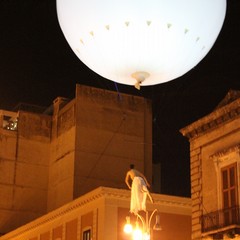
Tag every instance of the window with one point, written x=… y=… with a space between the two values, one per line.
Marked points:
x=227 y=165
x=229 y=192
x=229 y=186
x=86 y=234
x=10 y=123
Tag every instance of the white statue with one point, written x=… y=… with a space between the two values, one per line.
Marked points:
x=139 y=190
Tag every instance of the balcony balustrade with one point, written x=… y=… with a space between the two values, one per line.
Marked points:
x=221 y=219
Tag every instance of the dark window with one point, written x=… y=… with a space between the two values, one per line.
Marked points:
x=87 y=234
x=229 y=192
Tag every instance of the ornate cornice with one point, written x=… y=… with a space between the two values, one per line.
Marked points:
x=226 y=152
x=160 y=201
x=69 y=207
x=212 y=121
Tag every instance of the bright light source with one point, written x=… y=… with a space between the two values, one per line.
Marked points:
x=146 y=236
x=137 y=234
x=142 y=233
x=128 y=227
x=120 y=40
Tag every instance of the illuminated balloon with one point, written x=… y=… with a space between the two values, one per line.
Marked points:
x=141 y=42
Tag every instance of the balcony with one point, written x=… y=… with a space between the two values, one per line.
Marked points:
x=222 y=221
x=8 y=120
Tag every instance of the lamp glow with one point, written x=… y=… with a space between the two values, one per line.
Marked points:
x=128 y=227
x=137 y=233
x=144 y=232
x=120 y=40
x=146 y=236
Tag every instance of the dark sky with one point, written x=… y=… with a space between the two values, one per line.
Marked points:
x=37 y=65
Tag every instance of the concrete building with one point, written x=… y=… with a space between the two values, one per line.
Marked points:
x=50 y=157
x=215 y=171
x=54 y=162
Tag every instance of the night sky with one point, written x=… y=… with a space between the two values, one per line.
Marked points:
x=37 y=65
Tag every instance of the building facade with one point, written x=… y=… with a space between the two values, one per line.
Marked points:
x=101 y=215
x=50 y=157
x=215 y=171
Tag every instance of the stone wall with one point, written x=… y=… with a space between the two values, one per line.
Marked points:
x=211 y=137
x=111 y=133
x=24 y=158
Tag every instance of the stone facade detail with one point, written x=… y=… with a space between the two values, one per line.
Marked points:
x=196 y=193
x=214 y=144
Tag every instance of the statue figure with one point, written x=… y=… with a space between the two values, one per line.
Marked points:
x=139 y=190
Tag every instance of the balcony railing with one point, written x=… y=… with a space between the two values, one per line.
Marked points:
x=220 y=219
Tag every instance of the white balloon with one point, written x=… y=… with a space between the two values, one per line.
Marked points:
x=145 y=41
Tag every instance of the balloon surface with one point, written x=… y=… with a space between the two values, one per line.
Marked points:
x=141 y=42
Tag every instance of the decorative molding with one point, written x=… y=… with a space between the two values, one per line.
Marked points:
x=221 y=155
x=222 y=159
x=160 y=201
x=212 y=121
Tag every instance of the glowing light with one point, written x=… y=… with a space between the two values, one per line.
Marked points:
x=137 y=234
x=141 y=42
x=146 y=236
x=128 y=227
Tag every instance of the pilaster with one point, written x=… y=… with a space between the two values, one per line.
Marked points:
x=196 y=193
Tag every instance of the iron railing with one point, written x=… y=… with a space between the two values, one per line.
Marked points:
x=220 y=219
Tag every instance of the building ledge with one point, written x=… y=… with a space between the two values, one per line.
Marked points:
x=233 y=230
x=164 y=203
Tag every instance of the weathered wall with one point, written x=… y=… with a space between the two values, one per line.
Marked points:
x=24 y=157
x=88 y=142
x=61 y=165
x=111 y=133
